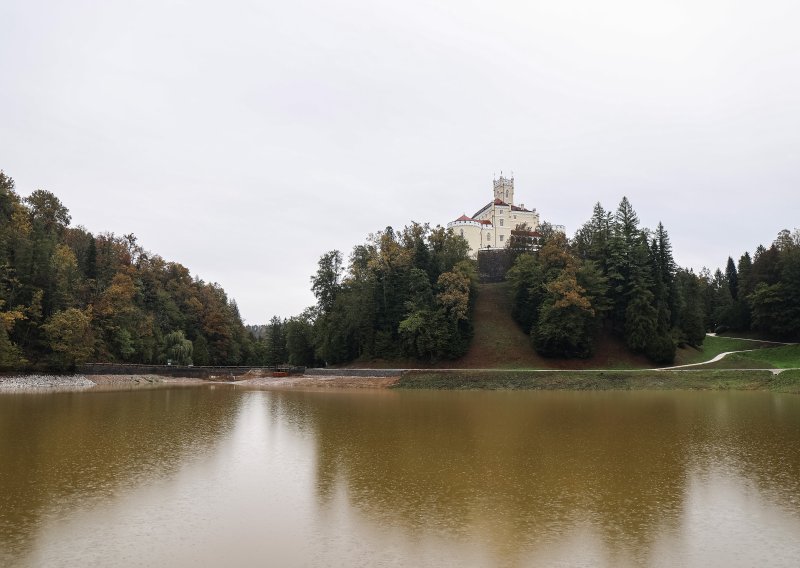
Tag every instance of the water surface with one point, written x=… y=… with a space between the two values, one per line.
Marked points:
x=207 y=476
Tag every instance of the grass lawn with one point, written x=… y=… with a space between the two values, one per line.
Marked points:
x=783 y=357
x=713 y=346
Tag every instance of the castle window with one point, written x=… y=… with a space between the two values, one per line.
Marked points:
x=462 y=232
x=501 y=224
x=501 y=236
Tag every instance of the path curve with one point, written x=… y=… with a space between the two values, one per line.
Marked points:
x=721 y=356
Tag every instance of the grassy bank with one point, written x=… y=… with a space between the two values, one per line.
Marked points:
x=705 y=379
x=713 y=346
x=783 y=357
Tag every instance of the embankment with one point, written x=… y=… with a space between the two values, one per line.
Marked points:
x=706 y=379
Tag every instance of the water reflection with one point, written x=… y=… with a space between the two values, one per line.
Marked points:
x=195 y=477
x=522 y=471
x=63 y=450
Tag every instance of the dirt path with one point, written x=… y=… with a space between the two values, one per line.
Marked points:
x=498 y=340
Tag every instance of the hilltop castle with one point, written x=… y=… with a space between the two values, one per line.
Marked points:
x=495 y=223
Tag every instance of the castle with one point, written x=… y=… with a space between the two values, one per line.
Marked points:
x=496 y=222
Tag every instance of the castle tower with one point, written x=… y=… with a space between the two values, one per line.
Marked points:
x=504 y=189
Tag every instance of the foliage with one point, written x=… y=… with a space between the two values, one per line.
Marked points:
x=69 y=333
x=404 y=294
x=178 y=349
x=611 y=275
x=68 y=296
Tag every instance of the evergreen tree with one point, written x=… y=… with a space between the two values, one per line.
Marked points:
x=527 y=282
x=90 y=266
x=565 y=320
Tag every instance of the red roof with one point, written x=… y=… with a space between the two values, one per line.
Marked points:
x=485 y=222
x=515 y=208
x=500 y=202
x=465 y=218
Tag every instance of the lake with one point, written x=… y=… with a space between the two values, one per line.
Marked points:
x=218 y=475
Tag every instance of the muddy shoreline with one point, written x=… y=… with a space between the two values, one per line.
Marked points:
x=253 y=380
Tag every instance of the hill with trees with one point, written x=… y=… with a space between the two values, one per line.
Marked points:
x=68 y=296
x=613 y=284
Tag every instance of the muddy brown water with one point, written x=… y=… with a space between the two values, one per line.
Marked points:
x=219 y=476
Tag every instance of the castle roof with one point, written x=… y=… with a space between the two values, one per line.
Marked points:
x=515 y=208
x=482 y=209
x=465 y=218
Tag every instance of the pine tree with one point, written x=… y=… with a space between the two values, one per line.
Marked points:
x=733 y=279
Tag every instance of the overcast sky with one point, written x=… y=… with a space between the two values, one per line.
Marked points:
x=244 y=139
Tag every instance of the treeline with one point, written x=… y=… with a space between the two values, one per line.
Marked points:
x=404 y=294
x=68 y=296
x=620 y=278
x=760 y=294
x=612 y=276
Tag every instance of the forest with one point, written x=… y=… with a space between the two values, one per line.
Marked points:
x=618 y=278
x=68 y=296
x=396 y=298
x=406 y=294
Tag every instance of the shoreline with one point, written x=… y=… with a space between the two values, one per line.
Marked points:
x=256 y=381
x=775 y=380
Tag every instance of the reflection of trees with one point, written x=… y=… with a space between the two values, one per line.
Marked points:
x=60 y=449
x=514 y=469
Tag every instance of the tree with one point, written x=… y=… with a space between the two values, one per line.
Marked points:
x=177 y=348
x=527 y=283
x=690 y=325
x=325 y=283
x=10 y=354
x=733 y=279
x=47 y=211
x=69 y=333
x=300 y=339
x=276 y=342
x=90 y=266
x=200 y=353
x=591 y=240
x=564 y=325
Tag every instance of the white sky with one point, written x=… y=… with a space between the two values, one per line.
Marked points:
x=244 y=139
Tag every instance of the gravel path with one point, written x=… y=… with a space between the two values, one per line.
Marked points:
x=45 y=382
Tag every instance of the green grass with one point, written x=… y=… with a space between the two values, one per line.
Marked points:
x=713 y=346
x=705 y=379
x=783 y=357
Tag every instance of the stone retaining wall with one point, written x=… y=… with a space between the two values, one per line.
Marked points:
x=353 y=372
x=195 y=372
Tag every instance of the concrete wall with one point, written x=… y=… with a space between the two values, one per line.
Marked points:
x=174 y=370
x=354 y=372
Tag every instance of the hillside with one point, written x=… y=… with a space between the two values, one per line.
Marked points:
x=500 y=343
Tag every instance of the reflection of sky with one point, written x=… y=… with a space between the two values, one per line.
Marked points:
x=253 y=489
x=287 y=486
